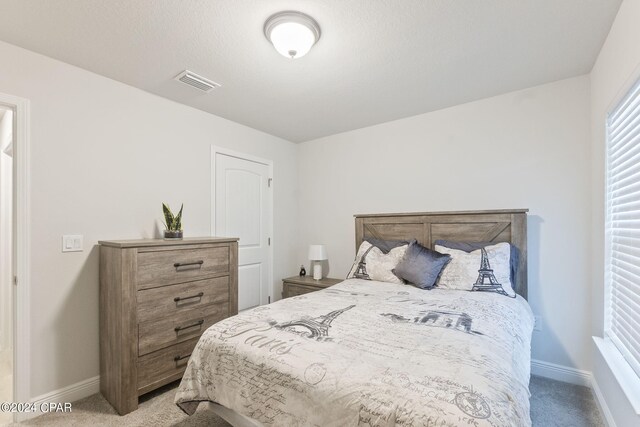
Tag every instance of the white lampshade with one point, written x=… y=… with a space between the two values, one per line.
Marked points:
x=317 y=252
x=292 y=33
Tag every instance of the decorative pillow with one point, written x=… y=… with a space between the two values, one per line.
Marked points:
x=421 y=266
x=486 y=269
x=372 y=264
x=472 y=246
x=386 y=245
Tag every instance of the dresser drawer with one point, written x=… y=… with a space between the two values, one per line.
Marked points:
x=156 y=334
x=169 y=266
x=166 y=301
x=163 y=366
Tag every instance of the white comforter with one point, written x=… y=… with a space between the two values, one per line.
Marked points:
x=369 y=354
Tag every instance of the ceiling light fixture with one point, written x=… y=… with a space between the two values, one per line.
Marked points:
x=292 y=33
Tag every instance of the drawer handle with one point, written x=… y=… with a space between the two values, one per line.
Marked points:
x=179 y=358
x=193 y=325
x=199 y=263
x=198 y=295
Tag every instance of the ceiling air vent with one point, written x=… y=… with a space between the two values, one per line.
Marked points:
x=196 y=81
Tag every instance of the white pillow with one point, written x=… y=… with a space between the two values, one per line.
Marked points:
x=467 y=270
x=372 y=264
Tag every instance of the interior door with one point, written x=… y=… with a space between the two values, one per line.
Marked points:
x=242 y=207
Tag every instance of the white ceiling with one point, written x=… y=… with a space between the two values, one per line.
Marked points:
x=377 y=60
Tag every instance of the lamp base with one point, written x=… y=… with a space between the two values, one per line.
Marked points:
x=317 y=270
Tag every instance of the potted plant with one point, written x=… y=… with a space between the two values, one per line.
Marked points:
x=172 y=223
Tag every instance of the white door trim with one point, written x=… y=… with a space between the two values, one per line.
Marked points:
x=220 y=150
x=21 y=327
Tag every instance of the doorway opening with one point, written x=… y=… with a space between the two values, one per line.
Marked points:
x=14 y=254
x=242 y=206
x=7 y=259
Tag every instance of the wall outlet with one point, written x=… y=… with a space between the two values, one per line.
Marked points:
x=72 y=243
x=537 y=323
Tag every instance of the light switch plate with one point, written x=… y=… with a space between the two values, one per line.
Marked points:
x=72 y=243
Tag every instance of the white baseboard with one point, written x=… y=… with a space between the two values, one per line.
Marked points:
x=602 y=404
x=561 y=373
x=66 y=394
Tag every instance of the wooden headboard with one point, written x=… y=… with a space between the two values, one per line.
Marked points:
x=463 y=226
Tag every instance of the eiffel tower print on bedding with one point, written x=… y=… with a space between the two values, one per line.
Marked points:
x=312 y=327
x=373 y=264
x=368 y=353
x=486 y=281
x=486 y=269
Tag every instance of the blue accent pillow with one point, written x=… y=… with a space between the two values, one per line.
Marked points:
x=421 y=266
x=473 y=246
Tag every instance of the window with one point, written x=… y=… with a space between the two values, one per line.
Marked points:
x=623 y=227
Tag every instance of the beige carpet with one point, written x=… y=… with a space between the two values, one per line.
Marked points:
x=155 y=409
x=552 y=404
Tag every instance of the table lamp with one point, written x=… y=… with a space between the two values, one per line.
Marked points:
x=317 y=253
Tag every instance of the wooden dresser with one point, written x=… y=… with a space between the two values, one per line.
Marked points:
x=156 y=298
x=300 y=285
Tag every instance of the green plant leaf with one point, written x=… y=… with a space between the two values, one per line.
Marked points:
x=178 y=222
x=168 y=217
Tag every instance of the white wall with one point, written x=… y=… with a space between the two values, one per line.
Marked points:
x=618 y=64
x=6 y=214
x=526 y=149
x=104 y=156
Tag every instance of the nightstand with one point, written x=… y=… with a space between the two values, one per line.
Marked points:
x=299 y=285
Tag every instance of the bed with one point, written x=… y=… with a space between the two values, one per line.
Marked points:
x=375 y=353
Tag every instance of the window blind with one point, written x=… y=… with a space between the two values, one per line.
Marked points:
x=623 y=227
